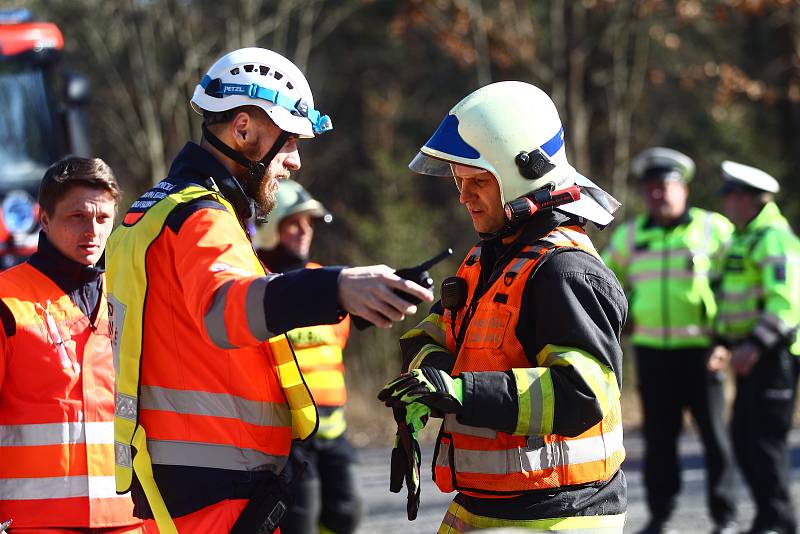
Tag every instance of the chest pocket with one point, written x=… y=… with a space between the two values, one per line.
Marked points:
x=488 y=327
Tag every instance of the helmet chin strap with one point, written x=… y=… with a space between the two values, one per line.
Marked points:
x=255 y=169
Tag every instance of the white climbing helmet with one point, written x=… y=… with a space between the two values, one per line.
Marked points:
x=263 y=78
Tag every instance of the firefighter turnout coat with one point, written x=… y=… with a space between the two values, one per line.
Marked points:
x=56 y=398
x=539 y=441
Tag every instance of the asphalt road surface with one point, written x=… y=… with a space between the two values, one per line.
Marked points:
x=385 y=512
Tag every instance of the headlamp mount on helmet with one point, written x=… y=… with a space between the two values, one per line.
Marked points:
x=216 y=88
x=534 y=164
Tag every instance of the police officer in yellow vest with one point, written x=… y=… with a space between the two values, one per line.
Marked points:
x=521 y=356
x=759 y=315
x=666 y=259
x=325 y=498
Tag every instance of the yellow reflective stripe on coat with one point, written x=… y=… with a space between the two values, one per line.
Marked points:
x=458 y=520
x=600 y=378
x=301 y=404
x=536 y=401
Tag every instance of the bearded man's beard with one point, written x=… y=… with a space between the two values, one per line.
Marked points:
x=267 y=194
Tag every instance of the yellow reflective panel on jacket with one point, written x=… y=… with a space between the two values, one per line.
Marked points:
x=458 y=520
x=760 y=291
x=667 y=273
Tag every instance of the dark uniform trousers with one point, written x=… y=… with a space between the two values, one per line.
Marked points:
x=762 y=417
x=669 y=381
x=326 y=493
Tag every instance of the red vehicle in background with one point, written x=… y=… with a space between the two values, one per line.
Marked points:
x=41 y=119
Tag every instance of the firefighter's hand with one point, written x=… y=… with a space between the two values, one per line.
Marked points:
x=427 y=385
x=744 y=357
x=406 y=456
x=718 y=358
x=368 y=292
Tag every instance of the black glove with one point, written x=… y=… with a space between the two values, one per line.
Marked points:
x=406 y=454
x=428 y=385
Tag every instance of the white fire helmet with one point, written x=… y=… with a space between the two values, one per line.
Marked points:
x=291 y=198
x=263 y=78
x=490 y=127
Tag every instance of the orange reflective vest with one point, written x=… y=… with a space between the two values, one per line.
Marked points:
x=483 y=462
x=56 y=410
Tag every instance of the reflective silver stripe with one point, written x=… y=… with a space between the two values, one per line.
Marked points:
x=452 y=425
x=738 y=296
x=732 y=317
x=517 y=266
x=212 y=455
x=215 y=318
x=122 y=454
x=56 y=434
x=58 y=488
x=674 y=332
x=103 y=488
x=215 y=405
x=256 y=314
x=558 y=454
x=125 y=406
x=681 y=253
x=673 y=274
x=631 y=241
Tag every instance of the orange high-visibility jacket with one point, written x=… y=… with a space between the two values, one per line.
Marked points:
x=188 y=318
x=56 y=410
x=481 y=461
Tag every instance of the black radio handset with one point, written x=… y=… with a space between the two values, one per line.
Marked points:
x=454 y=297
x=418 y=274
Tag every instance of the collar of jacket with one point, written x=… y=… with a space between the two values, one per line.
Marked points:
x=770 y=215
x=495 y=254
x=685 y=218
x=196 y=164
x=68 y=274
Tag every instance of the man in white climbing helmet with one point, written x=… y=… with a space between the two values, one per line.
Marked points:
x=521 y=356
x=209 y=395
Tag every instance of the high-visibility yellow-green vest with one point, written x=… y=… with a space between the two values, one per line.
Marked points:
x=759 y=297
x=667 y=276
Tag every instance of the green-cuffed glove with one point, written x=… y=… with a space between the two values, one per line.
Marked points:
x=428 y=385
x=406 y=456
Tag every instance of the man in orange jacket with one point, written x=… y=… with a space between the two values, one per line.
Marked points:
x=209 y=395
x=325 y=498
x=56 y=374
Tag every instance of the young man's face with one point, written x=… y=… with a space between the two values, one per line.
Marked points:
x=296 y=232
x=480 y=194
x=81 y=223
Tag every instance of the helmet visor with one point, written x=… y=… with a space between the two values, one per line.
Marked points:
x=424 y=164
